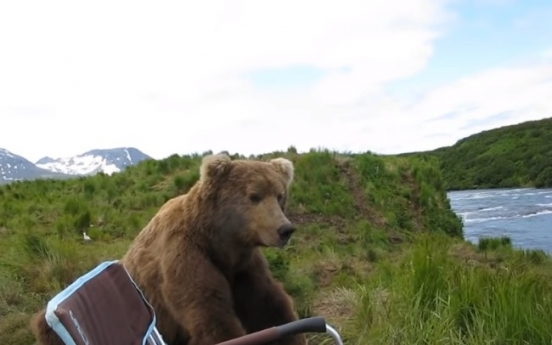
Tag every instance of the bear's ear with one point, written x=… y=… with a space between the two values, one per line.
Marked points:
x=213 y=166
x=285 y=166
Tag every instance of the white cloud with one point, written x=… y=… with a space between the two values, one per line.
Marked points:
x=166 y=77
x=483 y=101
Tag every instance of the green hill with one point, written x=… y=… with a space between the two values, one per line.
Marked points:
x=511 y=156
x=378 y=250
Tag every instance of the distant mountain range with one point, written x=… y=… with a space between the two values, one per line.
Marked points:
x=14 y=167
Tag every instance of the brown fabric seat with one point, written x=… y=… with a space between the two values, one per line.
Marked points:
x=103 y=307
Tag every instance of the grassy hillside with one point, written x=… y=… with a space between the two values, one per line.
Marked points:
x=511 y=156
x=378 y=251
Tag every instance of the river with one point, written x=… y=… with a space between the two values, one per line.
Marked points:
x=525 y=215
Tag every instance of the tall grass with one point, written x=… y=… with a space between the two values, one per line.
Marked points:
x=433 y=299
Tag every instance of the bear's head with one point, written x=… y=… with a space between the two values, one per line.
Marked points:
x=248 y=198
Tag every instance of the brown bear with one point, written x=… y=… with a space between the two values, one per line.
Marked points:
x=199 y=263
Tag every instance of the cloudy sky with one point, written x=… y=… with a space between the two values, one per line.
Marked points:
x=256 y=76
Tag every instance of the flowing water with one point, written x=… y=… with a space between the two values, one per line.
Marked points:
x=524 y=215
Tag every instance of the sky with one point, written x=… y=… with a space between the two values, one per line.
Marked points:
x=259 y=76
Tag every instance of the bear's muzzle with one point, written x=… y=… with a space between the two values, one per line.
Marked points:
x=285 y=231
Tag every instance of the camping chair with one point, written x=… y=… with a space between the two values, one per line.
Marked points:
x=106 y=307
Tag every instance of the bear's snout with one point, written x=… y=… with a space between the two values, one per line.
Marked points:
x=285 y=232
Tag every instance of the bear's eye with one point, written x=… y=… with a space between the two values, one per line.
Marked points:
x=280 y=197
x=255 y=197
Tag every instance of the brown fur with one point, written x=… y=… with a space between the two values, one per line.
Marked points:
x=198 y=260
x=42 y=332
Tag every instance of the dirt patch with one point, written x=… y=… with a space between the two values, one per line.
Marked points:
x=472 y=257
x=414 y=201
x=310 y=218
x=354 y=184
x=325 y=271
x=395 y=237
x=341 y=226
x=337 y=306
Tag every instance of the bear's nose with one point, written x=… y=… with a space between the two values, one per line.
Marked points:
x=286 y=230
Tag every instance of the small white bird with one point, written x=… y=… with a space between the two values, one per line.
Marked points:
x=86 y=237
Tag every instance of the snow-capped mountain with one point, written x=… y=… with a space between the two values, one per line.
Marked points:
x=16 y=168
x=107 y=161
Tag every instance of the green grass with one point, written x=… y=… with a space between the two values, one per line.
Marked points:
x=433 y=298
x=378 y=252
